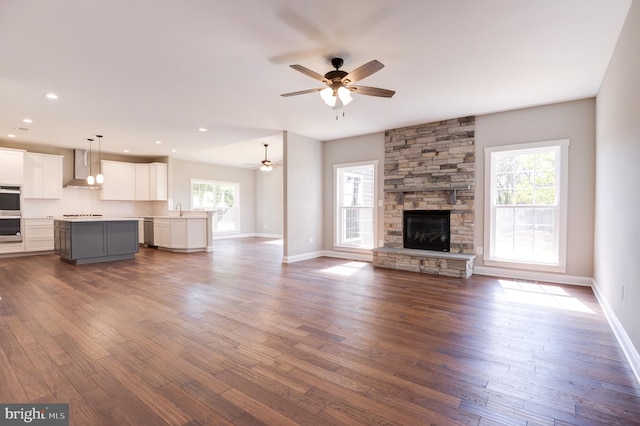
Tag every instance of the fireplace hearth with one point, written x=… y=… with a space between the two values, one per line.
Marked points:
x=427 y=229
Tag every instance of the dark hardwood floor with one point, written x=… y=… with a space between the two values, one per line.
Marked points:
x=235 y=337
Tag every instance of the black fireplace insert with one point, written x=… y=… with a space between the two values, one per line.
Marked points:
x=427 y=229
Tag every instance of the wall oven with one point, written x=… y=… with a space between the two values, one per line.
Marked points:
x=10 y=214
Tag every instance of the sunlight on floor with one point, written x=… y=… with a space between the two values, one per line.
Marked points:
x=345 y=269
x=546 y=295
x=274 y=242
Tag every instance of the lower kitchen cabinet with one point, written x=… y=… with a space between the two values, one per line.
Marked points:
x=180 y=234
x=38 y=234
x=91 y=241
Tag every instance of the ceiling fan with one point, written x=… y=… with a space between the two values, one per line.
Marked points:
x=266 y=165
x=339 y=83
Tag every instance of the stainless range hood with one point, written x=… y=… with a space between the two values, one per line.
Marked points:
x=81 y=169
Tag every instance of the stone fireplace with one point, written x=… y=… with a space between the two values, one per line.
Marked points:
x=430 y=167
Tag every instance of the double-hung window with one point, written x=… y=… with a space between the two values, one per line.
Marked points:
x=355 y=205
x=527 y=206
x=223 y=197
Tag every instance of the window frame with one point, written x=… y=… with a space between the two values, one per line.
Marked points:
x=337 y=245
x=560 y=218
x=237 y=186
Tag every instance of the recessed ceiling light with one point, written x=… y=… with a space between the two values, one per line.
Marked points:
x=158 y=142
x=202 y=129
x=126 y=150
x=51 y=96
x=27 y=120
x=11 y=135
x=174 y=150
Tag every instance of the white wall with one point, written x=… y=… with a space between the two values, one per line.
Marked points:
x=180 y=187
x=569 y=120
x=269 y=202
x=302 y=197
x=617 y=223
x=350 y=150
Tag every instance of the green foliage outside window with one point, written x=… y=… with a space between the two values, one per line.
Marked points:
x=526 y=179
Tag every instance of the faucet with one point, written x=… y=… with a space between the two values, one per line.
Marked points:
x=179 y=207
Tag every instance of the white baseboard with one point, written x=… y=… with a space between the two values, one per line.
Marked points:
x=533 y=275
x=277 y=236
x=623 y=338
x=303 y=256
x=363 y=257
x=229 y=236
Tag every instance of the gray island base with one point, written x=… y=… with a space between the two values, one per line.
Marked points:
x=80 y=241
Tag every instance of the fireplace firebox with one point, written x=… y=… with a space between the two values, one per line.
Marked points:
x=427 y=229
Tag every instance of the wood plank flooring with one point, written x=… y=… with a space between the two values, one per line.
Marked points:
x=235 y=337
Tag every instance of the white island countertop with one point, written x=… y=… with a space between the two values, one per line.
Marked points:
x=94 y=219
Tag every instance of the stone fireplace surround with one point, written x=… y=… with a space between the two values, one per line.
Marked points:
x=430 y=167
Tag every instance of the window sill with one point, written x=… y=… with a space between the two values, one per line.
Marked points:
x=540 y=267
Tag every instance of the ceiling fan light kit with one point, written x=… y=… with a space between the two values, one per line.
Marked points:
x=339 y=83
x=266 y=163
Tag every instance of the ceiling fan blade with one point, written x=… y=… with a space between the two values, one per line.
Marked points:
x=372 y=91
x=302 y=92
x=364 y=71
x=308 y=72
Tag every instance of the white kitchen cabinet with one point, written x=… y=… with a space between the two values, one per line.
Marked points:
x=8 y=248
x=180 y=234
x=134 y=181
x=11 y=166
x=140 y=231
x=142 y=182
x=38 y=234
x=158 y=181
x=42 y=176
x=196 y=232
x=119 y=180
x=162 y=232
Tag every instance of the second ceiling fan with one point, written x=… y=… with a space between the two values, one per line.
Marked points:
x=339 y=83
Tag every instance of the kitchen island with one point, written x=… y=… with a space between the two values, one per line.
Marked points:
x=90 y=240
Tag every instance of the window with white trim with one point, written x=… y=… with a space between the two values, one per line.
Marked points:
x=223 y=197
x=355 y=205
x=527 y=205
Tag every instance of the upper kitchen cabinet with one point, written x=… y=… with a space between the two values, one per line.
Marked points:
x=134 y=181
x=42 y=176
x=142 y=182
x=11 y=166
x=158 y=181
x=119 y=180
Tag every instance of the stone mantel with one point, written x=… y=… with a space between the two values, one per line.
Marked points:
x=453 y=191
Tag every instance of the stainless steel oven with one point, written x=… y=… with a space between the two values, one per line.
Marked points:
x=10 y=213
x=10 y=229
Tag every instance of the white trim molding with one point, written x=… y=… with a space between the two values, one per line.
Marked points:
x=630 y=352
x=303 y=256
x=533 y=275
x=362 y=257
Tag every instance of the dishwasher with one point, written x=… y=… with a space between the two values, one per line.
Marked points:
x=148 y=232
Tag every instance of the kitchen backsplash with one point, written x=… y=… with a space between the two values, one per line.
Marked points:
x=87 y=201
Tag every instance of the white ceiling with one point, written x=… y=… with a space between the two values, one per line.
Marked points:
x=142 y=71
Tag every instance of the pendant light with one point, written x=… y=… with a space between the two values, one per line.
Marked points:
x=99 y=176
x=90 y=178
